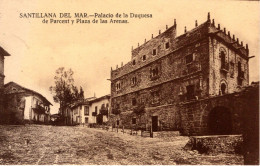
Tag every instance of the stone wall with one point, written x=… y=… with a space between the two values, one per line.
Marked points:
x=13 y=109
x=250 y=131
x=195 y=115
x=216 y=144
x=174 y=75
x=168 y=118
x=229 y=76
x=1 y=82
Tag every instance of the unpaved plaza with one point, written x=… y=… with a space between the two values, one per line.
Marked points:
x=48 y=145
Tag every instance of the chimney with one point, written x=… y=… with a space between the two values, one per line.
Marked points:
x=247 y=46
x=218 y=26
x=241 y=43
x=234 y=38
x=175 y=22
x=145 y=40
x=213 y=22
x=166 y=26
x=225 y=30
x=196 y=23
x=116 y=66
x=185 y=30
x=159 y=32
x=152 y=36
x=228 y=34
x=237 y=41
x=122 y=64
x=208 y=16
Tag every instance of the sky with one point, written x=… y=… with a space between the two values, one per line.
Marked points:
x=90 y=50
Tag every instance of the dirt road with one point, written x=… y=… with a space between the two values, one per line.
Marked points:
x=48 y=145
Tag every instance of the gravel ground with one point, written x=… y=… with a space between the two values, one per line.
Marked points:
x=48 y=145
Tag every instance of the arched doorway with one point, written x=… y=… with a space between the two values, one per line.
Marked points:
x=223 y=88
x=220 y=121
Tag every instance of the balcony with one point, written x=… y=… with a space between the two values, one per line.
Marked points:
x=39 y=109
x=241 y=75
x=224 y=68
x=103 y=111
x=193 y=67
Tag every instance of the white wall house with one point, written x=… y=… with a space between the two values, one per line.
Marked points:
x=25 y=104
x=90 y=111
x=100 y=107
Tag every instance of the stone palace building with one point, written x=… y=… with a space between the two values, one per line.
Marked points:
x=182 y=82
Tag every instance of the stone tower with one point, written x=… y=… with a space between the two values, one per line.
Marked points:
x=3 y=53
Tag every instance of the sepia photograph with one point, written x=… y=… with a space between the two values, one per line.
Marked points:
x=132 y=82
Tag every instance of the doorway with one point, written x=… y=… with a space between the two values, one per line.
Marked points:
x=220 y=121
x=86 y=120
x=154 y=123
x=99 y=119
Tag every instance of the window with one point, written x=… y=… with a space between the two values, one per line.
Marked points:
x=154 y=51
x=190 y=92
x=86 y=120
x=118 y=86
x=223 y=60
x=167 y=45
x=240 y=73
x=231 y=69
x=133 y=80
x=189 y=58
x=154 y=72
x=144 y=57
x=76 y=111
x=134 y=62
x=239 y=69
x=133 y=120
x=86 y=110
x=155 y=97
x=37 y=102
x=96 y=109
x=133 y=101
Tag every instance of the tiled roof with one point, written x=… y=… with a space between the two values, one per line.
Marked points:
x=29 y=90
x=3 y=52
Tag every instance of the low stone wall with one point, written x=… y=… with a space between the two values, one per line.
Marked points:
x=168 y=118
x=216 y=144
x=166 y=134
x=159 y=134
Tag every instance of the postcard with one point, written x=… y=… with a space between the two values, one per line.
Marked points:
x=112 y=82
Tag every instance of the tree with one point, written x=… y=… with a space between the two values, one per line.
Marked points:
x=64 y=90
